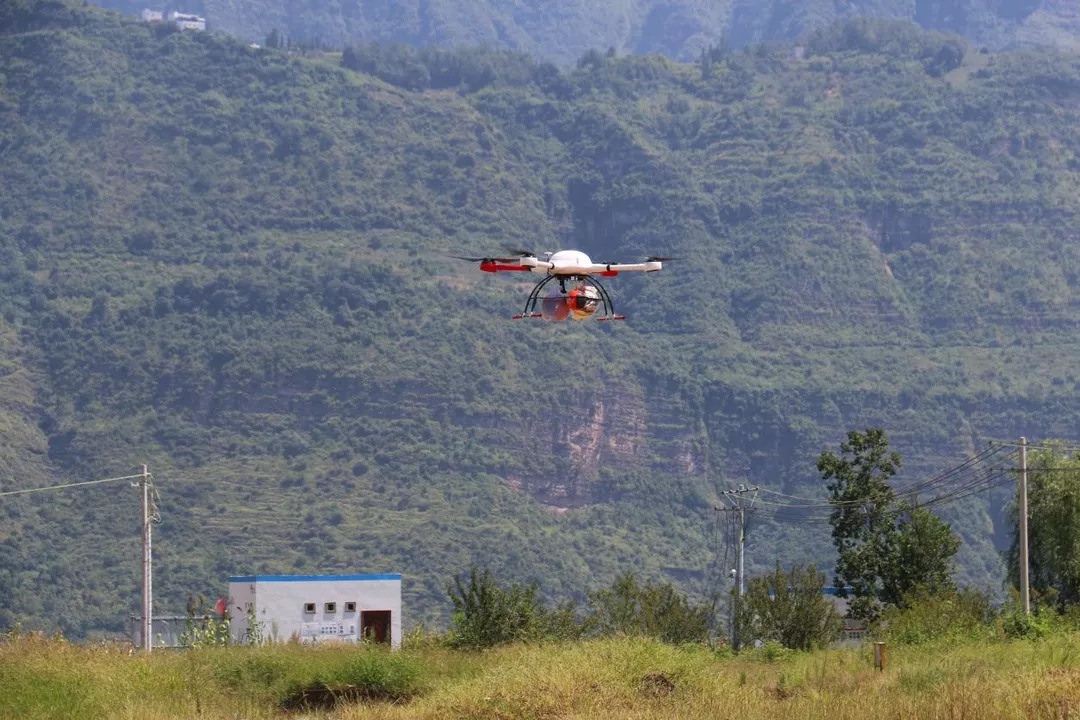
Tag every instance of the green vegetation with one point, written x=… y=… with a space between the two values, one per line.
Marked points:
x=613 y=678
x=487 y=614
x=1053 y=529
x=654 y=611
x=886 y=549
x=228 y=263
x=46 y=678
x=789 y=608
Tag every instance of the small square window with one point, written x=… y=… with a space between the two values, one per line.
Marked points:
x=309 y=607
x=330 y=608
x=350 y=607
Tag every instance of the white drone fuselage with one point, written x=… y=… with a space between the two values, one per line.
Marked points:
x=575 y=262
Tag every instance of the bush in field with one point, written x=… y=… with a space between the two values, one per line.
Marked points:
x=963 y=614
x=657 y=611
x=487 y=614
x=374 y=674
x=1044 y=620
x=788 y=608
x=203 y=629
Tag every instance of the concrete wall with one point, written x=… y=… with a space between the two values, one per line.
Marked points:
x=280 y=606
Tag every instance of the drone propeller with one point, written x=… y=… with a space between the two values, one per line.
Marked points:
x=651 y=258
x=502 y=260
x=520 y=253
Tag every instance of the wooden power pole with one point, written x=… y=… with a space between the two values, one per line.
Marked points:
x=145 y=482
x=738 y=506
x=1025 y=593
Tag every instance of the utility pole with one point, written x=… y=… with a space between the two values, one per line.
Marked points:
x=739 y=506
x=1025 y=594
x=145 y=481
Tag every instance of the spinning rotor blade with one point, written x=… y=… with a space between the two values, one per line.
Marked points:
x=520 y=253
x=651 y=258
x=503 y=260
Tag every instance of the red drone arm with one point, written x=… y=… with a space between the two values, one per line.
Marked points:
x=496 y=267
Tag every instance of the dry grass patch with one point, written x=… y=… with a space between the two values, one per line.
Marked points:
x=617 y=678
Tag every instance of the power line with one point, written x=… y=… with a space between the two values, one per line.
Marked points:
x=970 y=464
x=68 y=485
x=980 y=481
x=1062 y=446
x=992 y=478
x=962 y=473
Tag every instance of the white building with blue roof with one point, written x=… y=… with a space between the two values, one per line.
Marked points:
x=316 y=608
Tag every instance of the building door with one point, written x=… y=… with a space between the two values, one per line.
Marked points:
x=375 y=625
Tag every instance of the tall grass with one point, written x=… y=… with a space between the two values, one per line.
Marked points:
x=614 y=678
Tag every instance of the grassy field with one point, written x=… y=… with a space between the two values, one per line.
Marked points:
x=621 y=678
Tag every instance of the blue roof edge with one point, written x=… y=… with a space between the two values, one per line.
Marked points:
x=310 y=578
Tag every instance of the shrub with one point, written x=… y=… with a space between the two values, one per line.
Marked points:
x=788 y=608
x=657 y=611
x=370 y=674
x=486 y=614
x=948 y=615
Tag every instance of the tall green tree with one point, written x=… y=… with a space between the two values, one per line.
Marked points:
x=886 y=549
x=921 y=558
x=1053 y=527
x=789 y=608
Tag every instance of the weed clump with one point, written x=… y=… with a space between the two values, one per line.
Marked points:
x=366 y=676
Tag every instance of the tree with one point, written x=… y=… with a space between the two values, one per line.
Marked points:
x=1053 y=527
x=657 y=611
x=789 y=608
x=275 y=39
x=922 y=557
x=885 y=549
x=486 y=614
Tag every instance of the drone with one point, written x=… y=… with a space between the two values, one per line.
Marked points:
x=584 y=296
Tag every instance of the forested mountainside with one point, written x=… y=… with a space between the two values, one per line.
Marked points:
x=562 y=31
x=230 y=264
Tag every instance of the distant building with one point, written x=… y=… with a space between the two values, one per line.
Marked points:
x=852 y=630
x=167 y=631
x=152 y=16
x=316 y=608
x=186 y=21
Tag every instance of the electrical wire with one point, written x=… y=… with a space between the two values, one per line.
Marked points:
x=992 y=480
x=68 y=485
x=1006 y=443
x=963 y=472
x=981 y=480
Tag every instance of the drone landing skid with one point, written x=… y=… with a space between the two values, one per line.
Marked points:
x=534 y=297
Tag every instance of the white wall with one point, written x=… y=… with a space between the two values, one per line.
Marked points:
x=279 y=602
x=241 y=596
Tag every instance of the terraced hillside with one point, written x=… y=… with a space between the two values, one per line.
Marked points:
x=229 y=263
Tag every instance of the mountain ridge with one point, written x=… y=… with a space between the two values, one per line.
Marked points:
x=229 y=263
x=680 y=29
